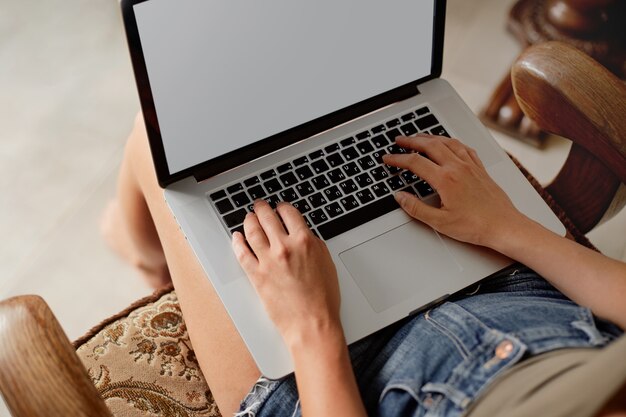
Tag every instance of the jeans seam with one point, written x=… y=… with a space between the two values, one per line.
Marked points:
x=455 y=340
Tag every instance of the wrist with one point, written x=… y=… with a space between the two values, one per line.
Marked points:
x=515 y=234
x=315 y=335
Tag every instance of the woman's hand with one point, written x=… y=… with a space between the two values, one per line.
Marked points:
x=292 y=272
x=474 y=208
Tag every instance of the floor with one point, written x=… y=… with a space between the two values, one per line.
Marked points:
x=68 y=102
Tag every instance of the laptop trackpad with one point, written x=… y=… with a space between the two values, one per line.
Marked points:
x=399 y=264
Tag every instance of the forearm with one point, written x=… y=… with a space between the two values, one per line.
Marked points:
x=587 y=277
x=324 y=375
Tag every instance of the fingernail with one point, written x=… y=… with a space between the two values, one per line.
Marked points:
x=400 y=196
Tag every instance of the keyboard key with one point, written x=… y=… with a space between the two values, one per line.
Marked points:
x=439 y=131
x=365 y=196
x=424 y=189
x=351 y=169
x=408 y=116
x=317 y=154
x=288 y=179
x=380 y=141
x=392 y=170
x=272 y=200
x=304 y=188
x=348 y=187
x=317 y=200
x=363 y=135
x=335 y=160
x=332 y=148
x=426 y=122
x=395 y=183
x=235 y=218
x=409 y=177
x=218 y=195
x=251 y=181
x=393 y=134
x=422 y=111
x=288 y=195
x=350 y=153
x=304 y=172
x=224 y=206
x=257 y=192
x=364 y=180
x=336 y=175
x=357 y=217
x=410 y=190
x=378 y=155
x=395 y=149
x=333 y=210
x=318 y=216
x=349 y=203
x=302 y=206
x=268 y=174
x=237 y=229
x=234 y=188
x=364 y=147
x=347 y=142
x=378 y=129
x=320 y=166
x=408 y=129
x=300 y=161
x=379 y=173
x=366 y=163
x=320 y=182
x=393 y=123
x=272 y=186
x=332 y=193
x=380 y=189
x=241 y=199
x=284 y=168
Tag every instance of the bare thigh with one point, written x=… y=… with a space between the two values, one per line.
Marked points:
x=224 y=359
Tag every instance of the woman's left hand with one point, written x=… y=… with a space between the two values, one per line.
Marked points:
x=291 y=270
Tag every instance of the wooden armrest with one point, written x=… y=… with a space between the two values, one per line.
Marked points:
x=569 y=94
x=40 y=372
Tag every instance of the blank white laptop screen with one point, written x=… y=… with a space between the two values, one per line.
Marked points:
x=227 y=73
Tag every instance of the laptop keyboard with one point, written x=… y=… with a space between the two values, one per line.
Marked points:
x=338 y=187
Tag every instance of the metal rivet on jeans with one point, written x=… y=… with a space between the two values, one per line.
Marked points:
x=504 y=349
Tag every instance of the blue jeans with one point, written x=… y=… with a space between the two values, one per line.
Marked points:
x=436 y=363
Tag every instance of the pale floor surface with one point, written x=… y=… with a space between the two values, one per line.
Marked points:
x=68 y=102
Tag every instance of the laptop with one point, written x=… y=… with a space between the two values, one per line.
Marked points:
x=298 y=101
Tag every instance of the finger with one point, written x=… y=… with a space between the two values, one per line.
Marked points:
x=474 y=155
x=291 y=217
x=431 y=146
x=255 y=235
x=420 y=166
x=416 y=208
x=458 y=148
x=244 y=255
x=269 y=221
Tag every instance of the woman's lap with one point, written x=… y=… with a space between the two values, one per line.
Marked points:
x=437 y=362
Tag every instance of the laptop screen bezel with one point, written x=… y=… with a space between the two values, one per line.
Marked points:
x=270 y=144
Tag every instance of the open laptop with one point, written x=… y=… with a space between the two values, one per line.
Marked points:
x=298 y=101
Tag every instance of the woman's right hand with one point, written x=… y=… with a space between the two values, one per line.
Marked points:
x=474 y=208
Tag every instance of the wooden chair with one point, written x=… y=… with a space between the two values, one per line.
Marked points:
x=565 y=91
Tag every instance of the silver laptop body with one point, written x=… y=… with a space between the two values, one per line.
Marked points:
x=390 y=266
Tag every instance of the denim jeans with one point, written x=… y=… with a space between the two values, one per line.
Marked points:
x=436 y=363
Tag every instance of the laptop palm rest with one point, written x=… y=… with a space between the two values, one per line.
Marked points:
x=414 y=255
